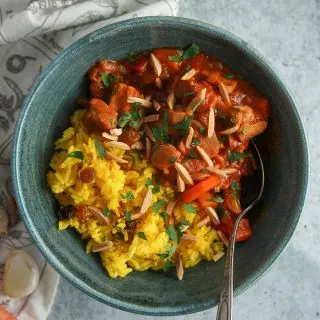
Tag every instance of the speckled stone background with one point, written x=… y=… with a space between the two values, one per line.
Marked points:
x=287 y=32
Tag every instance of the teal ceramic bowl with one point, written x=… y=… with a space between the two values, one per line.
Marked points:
x=46 y=114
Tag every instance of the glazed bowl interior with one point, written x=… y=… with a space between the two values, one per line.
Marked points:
x=46 y=114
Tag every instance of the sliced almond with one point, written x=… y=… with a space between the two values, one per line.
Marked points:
x=224 y=93
x=189 y=138
x=156 y=65
x=179 y=267
x=181 y=186
x=148 y=98
x=102 y=246
x=118 y=144
x=146 y=201
x=218 y=256
x=230 y=170
x=143 y=102
x=204 y=156
x=211 y=123
x=171 y=100
x=223 y=238
x=196 y=101
x=156 y=105
x=184 y=173
x=199 y=176
x=137 y=146
x=109 y=136
x=203 y=222
x=151 y=118
x=170 y=207
x=189 y=74
x=98 y=214
x=148 y=132
x=111 y=156
x=158 y=83
x=218 y=172
x=148 y=148
x=212 y=214
x=116 y=132
x=230 y=130
x=189 y=237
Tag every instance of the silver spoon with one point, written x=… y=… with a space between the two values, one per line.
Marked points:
x=226 y=297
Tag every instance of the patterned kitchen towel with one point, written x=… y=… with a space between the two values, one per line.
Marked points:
x=31 y=34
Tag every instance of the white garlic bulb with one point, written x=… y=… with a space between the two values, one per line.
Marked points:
x=3 y=221
x=21 y=274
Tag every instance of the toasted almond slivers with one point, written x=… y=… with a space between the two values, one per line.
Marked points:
x=179 y=268
x=117 y=144
x=171 y=206
x=111 y=156
x=188 y=75
x=230 y=130
x=102 y=246
x=199 y=176
x=230 y=170
x=148 y=132
x=158 y=83
x=218 y=256
x=202 y=222
x=109 y=136
x=98 y=214
x=184 y=173
x=196 y=101
x=217 y=171
x=143 y=102
x=148 y=98
x=189 y=237
x=212 y=214
x=223 y=238
x=148 y=148
x=156 y=105
x=171 y=100
x=146 y=201
x=211 y=123
x=189 y=138
x=224 y=93
x=180 y=183
x=156 y=65
x=204 y=156
x=151 y=118
x=116 y=132
x=137 y=146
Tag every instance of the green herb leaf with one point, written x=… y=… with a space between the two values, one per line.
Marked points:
x=106 y=212
x=163 y=215
x=163 y=255
x=175 y=58
x=196 y=106
x=172 y=159
x=191 y=51
x=155 y=189
x=132 y=56
x=201 y=130
x=167 y=265
x=183 y=126
x=76 y=154
x=235 y=186
x=127 y=215
x=172 y=250
x=235 y=156
x=142 y=235
x=217 y=198
x=204 y=171
x=172 y=233
x=158 y=205
x=229 y=75
x=187 y=68
x=181 y=227
x=100 y=148
x=160 y=132
x=103 y=238
x=220 y=113
x=223 y=139
x=128 y=196
x=131 y=118
x=195 y=142
x=148 y=182
x=192 y=155
x=107 y=78
x=124 y=119
x=189 y=208
x=220 y=211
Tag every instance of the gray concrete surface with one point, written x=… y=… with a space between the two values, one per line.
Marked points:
x=288 y=34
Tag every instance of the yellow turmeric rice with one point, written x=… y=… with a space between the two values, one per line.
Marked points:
x=118 y=192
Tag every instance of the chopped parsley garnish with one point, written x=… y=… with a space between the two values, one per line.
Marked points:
x=163 y=255
x=132 y=56
x=127 y=215
x=107 y=78
x=128 y=196
x=181 y=227
x=148 y=182
x=172 y=159
x=160 y=132
x=172 y=233
x=106 y=212
x=220 y=211
x=156 y=189
x=244 y=130
x=195 y=142
x=223 y=139
x=131 y=118
x=142 y=235
x=188 y=53
x=76 y=154
x=220 y=113
x=235 y=156
x=170 y=253
x=183 y=126
x=192 y=155
x=167 y=265
x=217 y=198
x=197 y=105
x=235 y=186
x=158 y=205
x=189 y=208
x=229 y=75
x=201 y=130
x=187 y=68
x=163 y=215
x=100 y=148
x=103 y=238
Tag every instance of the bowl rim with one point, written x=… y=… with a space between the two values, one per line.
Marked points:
x=56 y=264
